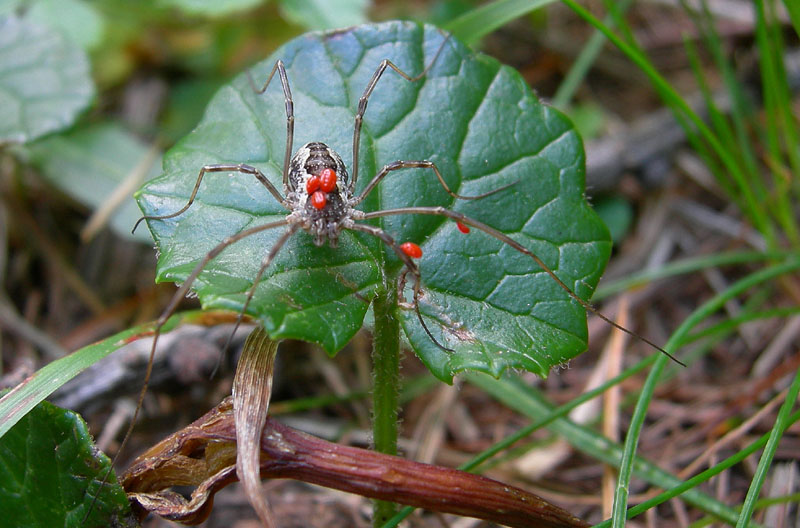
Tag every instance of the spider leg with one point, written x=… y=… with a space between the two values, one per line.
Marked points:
x=264 y=265
x=222 y=167
x=411 y=267
x=250 y=480
x=287 y=97
x=362 y=102
x=171 y=307
x=502 y=237
x=397 y=165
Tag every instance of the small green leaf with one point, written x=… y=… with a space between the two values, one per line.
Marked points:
x=482 y=126
x=210 y=7
x=90 y=163
x=44 y=80
x=325 y=14
x=50 y=473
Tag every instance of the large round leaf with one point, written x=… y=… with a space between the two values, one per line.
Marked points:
x=482 y=126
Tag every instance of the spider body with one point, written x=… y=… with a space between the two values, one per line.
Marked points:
x=318 y=194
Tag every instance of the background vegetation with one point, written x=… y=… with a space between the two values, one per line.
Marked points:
x=688 y=113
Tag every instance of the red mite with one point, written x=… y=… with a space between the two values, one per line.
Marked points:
x=319 y=199
x=312 y=184
x=327 y=180
x=411 y=249
x=461 y=227
x=319 y=187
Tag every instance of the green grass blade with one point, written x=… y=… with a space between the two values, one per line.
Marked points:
x=25 y=396
x=781 y=423
x=705 y=476
x=530 y=402
x=728 y=325
x=640 y=411
x=793 y=8
x=681 y=107
x=583 y=63
x=479 y=22
x=688 y=265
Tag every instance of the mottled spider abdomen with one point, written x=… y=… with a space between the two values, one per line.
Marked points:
x=318 y=189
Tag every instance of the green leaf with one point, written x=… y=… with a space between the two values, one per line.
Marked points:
x=75 y=18
x=50 y=473
x=44 y=80
x=210 y=7
x=482 y=126
x=325 y=14
x=90 y=163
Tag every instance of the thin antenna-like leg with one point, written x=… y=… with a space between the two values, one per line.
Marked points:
x=171 y=307
x=397 y=165
x=502 y=237
x=362 y=102
x=264 y=265
x=411 y=267
x=222 y=167
x=287 y=97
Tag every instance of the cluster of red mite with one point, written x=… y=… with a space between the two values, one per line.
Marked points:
x=318 y=188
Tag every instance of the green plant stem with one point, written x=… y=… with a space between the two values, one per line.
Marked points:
x=386 y=385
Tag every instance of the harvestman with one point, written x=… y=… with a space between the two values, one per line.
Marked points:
x=322 y=202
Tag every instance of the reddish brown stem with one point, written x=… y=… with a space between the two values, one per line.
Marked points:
x=203 y=454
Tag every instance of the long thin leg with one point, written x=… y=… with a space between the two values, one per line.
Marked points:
x=222 y=167
x=287 y=97
x=464 y=219
x=264 y=265
x=411 y=267
x=171 y=307
x=362 y=102
x=397 y=165
x=250 y=480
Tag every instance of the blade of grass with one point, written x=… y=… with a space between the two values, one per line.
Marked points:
x=477 y=23
x=25 y=396
x=793 y=8
x=741 y=109
x=718 y=119
x=680 y=107
x=781 y=423
x=688 y=265
x=640 y=411
x=705 y=476
x=786 y=135
x=583 y=63
x=730 y=324
x=530 y=402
